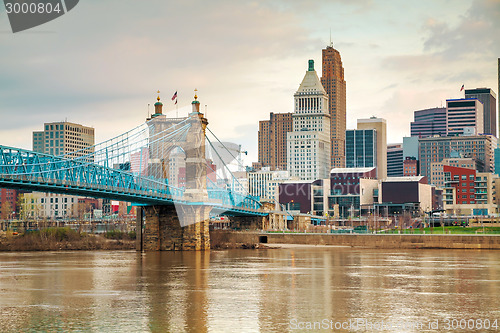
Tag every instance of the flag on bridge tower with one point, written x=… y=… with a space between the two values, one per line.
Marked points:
x=176 y=107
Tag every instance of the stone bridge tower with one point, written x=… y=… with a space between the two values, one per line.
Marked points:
x=183 y=226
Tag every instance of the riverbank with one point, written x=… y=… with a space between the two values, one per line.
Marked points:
x=379 y=241
x=55 y=239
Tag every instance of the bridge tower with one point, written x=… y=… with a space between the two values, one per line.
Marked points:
x=183 y=226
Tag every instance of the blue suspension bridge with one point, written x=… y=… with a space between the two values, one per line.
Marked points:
x=134 y=167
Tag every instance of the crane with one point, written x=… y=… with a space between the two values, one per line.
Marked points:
x=238 y=158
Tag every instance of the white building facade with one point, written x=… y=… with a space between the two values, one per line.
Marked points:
x=264 y=183
x=40 y=205
x=308 y=145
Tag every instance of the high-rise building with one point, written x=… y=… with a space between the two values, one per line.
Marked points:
x=395 y=160
x=429 y=122
x=332 y=79
x=436 y=149
x=272 y=140
x=464 y=117
x=62 y=138
x=361 y=148
x=379 y=125
x=488 y=97
x=498 y=90
x=309 y=149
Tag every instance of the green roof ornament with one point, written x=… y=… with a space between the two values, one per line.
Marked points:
x=311 y=65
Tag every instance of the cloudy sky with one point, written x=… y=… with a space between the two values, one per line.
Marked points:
x=102 y=63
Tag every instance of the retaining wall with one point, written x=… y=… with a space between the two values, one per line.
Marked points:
x=491 y=242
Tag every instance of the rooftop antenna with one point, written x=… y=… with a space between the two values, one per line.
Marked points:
x=148 y=112
x=331 y=43
x=205 y=110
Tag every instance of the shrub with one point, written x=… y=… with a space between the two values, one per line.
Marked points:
x=120 y=235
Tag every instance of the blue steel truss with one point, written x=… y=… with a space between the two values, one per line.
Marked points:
x=28 y=170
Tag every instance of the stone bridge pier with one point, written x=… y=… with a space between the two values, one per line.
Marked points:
x=163 y=230
x=180 y=227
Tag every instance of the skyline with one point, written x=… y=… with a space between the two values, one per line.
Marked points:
x=397 y=59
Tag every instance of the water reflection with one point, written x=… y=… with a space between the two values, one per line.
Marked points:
x=243 y=290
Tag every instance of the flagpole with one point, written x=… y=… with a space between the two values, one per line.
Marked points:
x=176 y=105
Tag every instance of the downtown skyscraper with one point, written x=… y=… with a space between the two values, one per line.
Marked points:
x=333 y=82
x=308 y=151
x=489 y=100
x=272 y=140
x=61 y=138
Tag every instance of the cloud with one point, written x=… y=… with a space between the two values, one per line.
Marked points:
x=103 y=63
x=472 y=37
x=469 y=40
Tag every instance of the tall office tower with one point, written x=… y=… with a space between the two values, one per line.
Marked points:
x=272 y=140
x=332 y=79
x=380 y=125
x=489 y=99
x=464 y=117
x=395 y=160
x=309 y=150
x=62 y=138
x=361 y=148
x=429 y=122
x=478 y=147
x=498 y=90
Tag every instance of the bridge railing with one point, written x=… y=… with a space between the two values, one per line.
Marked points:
x=233 y=199
x=36 y=168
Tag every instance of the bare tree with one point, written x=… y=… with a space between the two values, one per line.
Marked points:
x=5 y=210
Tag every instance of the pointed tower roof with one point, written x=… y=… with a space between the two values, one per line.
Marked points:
x=311 y=82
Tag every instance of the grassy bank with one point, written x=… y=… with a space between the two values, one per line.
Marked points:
x=53 y=239
x=450 y=230
x=447 y=230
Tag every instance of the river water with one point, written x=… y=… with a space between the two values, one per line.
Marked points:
x=292 y=289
